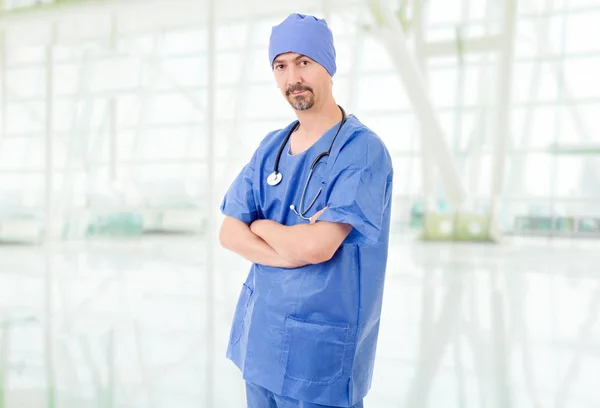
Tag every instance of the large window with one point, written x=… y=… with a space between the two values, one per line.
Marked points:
x=127 y=105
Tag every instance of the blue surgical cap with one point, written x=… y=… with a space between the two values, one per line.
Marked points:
x=306 y=35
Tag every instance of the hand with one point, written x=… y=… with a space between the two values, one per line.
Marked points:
x=255 y=227
x=314 y=218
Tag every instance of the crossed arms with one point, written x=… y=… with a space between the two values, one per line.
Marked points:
x=267 y=242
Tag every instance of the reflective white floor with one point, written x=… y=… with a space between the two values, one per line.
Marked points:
x=123 y=324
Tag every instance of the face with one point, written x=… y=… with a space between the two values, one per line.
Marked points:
x=301 y=80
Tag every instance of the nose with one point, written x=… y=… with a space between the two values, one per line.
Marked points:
x=294 y=75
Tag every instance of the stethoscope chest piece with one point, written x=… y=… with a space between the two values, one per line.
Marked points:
x=274 y=178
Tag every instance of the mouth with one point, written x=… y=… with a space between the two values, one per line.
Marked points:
x=298 y=92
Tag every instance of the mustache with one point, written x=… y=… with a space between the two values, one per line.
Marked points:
x=297 y=88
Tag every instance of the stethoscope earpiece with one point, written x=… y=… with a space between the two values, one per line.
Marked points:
x=293 y=208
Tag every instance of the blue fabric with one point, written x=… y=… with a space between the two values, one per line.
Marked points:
x=239 y=201
x=259 y=397
x=306 y=35
x=310 y=333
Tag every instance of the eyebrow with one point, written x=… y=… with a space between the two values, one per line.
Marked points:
x=279 y=61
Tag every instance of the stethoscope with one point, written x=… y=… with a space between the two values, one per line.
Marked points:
x=275 y=177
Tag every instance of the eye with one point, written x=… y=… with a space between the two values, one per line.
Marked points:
x=304 y=62
x=279 y=67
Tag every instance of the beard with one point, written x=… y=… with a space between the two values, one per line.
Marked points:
x=301 y=102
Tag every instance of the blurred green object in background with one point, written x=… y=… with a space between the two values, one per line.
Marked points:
x=456 y=226
x=121 y=224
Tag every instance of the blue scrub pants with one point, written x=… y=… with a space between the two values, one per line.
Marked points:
x=259 y=397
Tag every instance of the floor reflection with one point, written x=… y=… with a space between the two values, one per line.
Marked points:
x=121 y=324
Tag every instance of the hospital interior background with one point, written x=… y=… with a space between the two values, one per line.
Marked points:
x=123 y=123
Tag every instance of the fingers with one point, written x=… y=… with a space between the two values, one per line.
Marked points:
x=314 y=218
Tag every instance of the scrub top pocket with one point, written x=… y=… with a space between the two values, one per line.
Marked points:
x=314 y=351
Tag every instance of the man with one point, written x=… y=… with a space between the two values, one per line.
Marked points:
x=311 y=211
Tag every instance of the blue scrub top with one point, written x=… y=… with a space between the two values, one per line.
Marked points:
x=310 y=333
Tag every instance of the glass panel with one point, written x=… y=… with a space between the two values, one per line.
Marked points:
x=180 y=72
x=346 y=54
x=535 y=174
x=535 y=81
x=115 y=73
x=172 y=108
x=84 y=27
x=583 y=31
x=233 y=35
x=579 y=123
x=537 y=37
x=14 y=152
x=581 y=77
x=25 y=118
x=25 y=54
x=230 y=69
x=443 y=86
x=263 y=102
x=26 y=82
x=440 y=11
x=261 y=31
x=163 y=143
x=185 y=41
x=259 y=71
x=407 y=176
x=375 y=56
x=534 y=127
x=470 y=137
x=484 y=175
x=381 y=92
x=68 y=79
x=399 y=132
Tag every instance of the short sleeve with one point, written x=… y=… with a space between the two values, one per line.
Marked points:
x=359 y=192
x=238 y=201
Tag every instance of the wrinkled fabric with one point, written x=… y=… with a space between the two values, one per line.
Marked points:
x=306 y=35
x=259 y=397
x=310 y=333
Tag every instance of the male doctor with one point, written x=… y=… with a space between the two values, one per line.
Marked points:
x=311 y=211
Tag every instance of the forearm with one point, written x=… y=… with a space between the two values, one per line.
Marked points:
x=237 y=237
x=256 y=250
x=292 y=242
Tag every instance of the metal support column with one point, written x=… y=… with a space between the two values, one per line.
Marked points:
x=49 y=113
x=326 y=6
x=358 y=46
x=48 y=324
x=210 y=235
x=426 y=156
x=391 y=34
x=112 y=107
x=504 y=103
x=502 y=392
x=49 y=225
x=474 y=151
x=3 y=87
x=4 y=366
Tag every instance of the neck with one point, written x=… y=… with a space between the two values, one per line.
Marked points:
x=317 y=120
